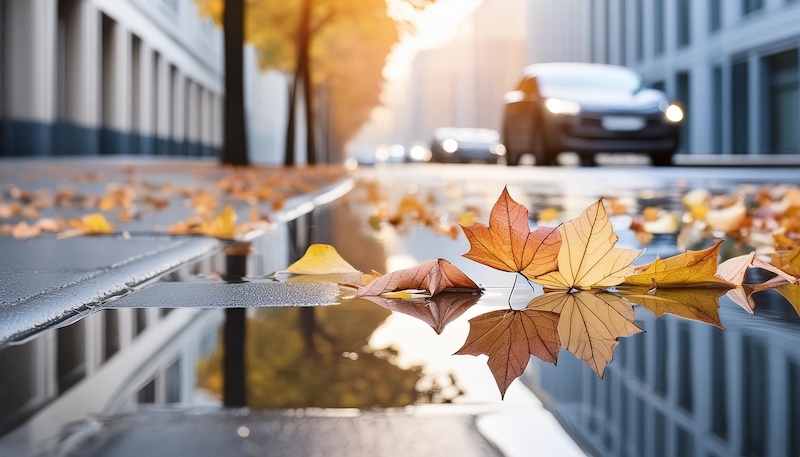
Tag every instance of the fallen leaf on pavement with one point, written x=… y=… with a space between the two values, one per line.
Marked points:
x=222 y=226
x=734 y=270
x=320 y=259
x=509 y=338
x=96 y=224
x=589 y=323
x=435 y=276
x=587 y=257
x=692 y=269
x=787 y=261
x=508 y=244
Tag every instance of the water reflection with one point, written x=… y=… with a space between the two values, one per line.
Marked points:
x=685 y=388
x=321 y=357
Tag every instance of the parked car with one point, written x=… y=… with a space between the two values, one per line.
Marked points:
x=451 y=144
x=588 y=108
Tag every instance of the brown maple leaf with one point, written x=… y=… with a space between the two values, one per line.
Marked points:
x=508 y=244
x=435 y=276
x=509 y=338
x=590 y=323
x=437 y=311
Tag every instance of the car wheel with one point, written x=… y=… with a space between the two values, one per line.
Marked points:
x=661 y=159
x=587 y=160
x=540 y=151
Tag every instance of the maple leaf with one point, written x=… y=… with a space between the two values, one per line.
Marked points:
x=734 y=269
x=787 y=261
x=435 y=276
x=437 y=311
x=589 y=323
x=508 y=244
x=320 y=259
x=222 y=226
x=694 y=303
x=96 y=224
x=791 y=292
x=691 y=268
x=587 y=257
x=509 y=338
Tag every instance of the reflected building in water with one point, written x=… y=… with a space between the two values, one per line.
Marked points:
x=105 y=363
x=685 y=388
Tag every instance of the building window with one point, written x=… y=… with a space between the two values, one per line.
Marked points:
x=685 y=386
x=719 y=394
x=716 y=109
x=684 y=22
x=147 y=394
x=794 y=407
x=607 y=31
x=658 y=27
x=661 y=357
x=111 y=340
x=683 y=94
x=784 y=112
x=750 y=6
x=639 y=30
x=740 y=104
x=623 y=35
x=756 y=388
x=71 y=355
x=714 y=15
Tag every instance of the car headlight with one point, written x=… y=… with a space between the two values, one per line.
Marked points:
x=673 y=113
x=449 y=145
x=560 y=106
x=498 y=149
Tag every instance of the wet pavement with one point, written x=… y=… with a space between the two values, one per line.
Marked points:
x=354 y=378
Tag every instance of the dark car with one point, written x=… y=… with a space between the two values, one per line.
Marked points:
x=588 y=108
x=452 y=144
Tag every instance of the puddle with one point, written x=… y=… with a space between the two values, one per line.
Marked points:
x=678 y=378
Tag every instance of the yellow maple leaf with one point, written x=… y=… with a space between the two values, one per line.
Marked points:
x=320 y=259
x=692 y=268
x=96 y=224
x=587 y=257
x=222 y=226
x=788 y=261
x=589 y=323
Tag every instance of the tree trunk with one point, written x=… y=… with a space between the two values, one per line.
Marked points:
x=304 y=74
x=289 y=154
x=234 y=143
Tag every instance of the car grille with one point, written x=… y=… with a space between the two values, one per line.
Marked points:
x=592 y=128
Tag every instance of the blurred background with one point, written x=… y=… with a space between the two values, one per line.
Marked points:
x=147 y=76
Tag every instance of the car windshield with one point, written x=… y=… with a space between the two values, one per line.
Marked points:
x=591 y=77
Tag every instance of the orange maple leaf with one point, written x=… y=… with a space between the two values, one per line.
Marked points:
x=509 y=338
x=435 y=276
x=508 y=244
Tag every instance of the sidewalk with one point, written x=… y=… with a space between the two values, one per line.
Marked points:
x=46 y=280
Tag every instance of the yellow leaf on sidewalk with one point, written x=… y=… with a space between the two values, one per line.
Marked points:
x=222 y=226
x=320 y=259
x=96 y=224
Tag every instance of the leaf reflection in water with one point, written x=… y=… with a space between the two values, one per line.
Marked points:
x=436 y=311
x=509 y=338
x=698 y=304
x=589 y=323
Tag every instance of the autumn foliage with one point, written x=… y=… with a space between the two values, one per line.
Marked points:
x=590 y=288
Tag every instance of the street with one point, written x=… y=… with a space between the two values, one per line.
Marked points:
x=158 y=341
